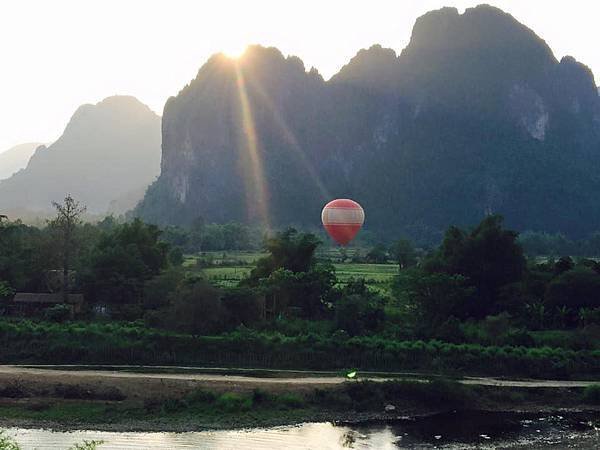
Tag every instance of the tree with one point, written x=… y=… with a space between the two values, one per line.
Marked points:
x=159 y=290
x=68 y=217
x=124 y=259
x=377 y=254
x=290 y=276
x=358 y=310
x=21 y=260
x=288 y=250
x=197 y=308
x=496 y=326
x=404 y=253
x=489 y=257
x=574 y=289
x=5 y=290
x=564 y=264
x=433 y=298
x=243 y=306
x=304 y=291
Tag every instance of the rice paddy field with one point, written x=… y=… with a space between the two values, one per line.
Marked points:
x=226 y=269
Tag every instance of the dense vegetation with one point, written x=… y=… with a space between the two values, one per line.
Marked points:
x=475 y=304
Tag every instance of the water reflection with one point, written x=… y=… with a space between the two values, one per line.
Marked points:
x=445 y=431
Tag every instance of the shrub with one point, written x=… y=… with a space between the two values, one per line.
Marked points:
x=260 y=397
x=58 y=313
x=111 y=393
x=591 y=394
x=331 y=399
x=290 y=400
x=365 y=395
x=171 y=405
x=13 y=390
x=439 y=392
x=232 y=402
x=7 y=443
x=86 y=445
x=72 y=391
x=200 y=396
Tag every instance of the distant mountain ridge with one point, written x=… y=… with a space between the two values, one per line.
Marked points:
x=16 y=158
x=106 y=152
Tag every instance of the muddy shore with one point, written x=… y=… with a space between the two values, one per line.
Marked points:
x=125 y=401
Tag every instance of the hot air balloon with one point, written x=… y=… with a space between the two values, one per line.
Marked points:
x=342 y=218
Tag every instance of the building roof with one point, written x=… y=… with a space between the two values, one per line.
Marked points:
x=55 y=298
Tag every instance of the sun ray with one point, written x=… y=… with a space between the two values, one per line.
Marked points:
x=292 y=140
x=251 y=146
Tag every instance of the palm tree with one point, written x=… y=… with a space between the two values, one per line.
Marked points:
x=584 y=314
x=562 y=312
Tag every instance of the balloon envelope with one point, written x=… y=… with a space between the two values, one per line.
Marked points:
x=342 y=218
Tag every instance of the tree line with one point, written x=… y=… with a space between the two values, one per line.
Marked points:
x=477 y=286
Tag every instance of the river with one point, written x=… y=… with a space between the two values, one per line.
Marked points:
x=463 y=430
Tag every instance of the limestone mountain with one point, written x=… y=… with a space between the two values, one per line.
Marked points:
x=107 y=151
x=16 y=158
x=475 y=116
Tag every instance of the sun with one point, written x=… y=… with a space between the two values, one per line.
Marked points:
x=234 y=51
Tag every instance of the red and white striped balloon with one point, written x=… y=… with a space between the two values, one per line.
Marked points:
x=342 y=218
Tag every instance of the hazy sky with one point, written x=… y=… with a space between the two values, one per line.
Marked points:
x=59 y=54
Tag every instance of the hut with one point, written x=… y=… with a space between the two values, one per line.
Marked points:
x=30 y=304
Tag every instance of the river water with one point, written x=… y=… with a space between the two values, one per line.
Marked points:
x=443 y=431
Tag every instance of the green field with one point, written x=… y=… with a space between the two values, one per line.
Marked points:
x=226 y=269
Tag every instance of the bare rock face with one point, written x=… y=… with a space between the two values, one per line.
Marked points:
x=529 y=108
x=475 y=115
x=107 y=151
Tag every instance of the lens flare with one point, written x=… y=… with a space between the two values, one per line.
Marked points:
x=257 y=192
x=291 y=139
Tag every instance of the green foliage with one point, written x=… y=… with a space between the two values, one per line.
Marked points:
x=231 y=402
x=22 y=255
x=159 y=290
x=291 y=280
x=489 y=257
x=87 y=445
x=243 y=306
x=497 y=326
x=200 y=396
x=288 y=250
x=545 y=244
x=197 y=308
x=7 y=443
x=574 y=289
x=434 y=297
x=64 y=227
x=377 y=255
x=176 y=256
x=358 y=310
x=125 y=258
x=133 y=343
x=5 y=291
x=591 y=394
x=57 y=313
x=404 y=253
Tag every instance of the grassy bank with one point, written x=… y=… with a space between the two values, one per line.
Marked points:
x=354 y=401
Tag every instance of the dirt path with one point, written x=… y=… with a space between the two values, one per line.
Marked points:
x=145 y=385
